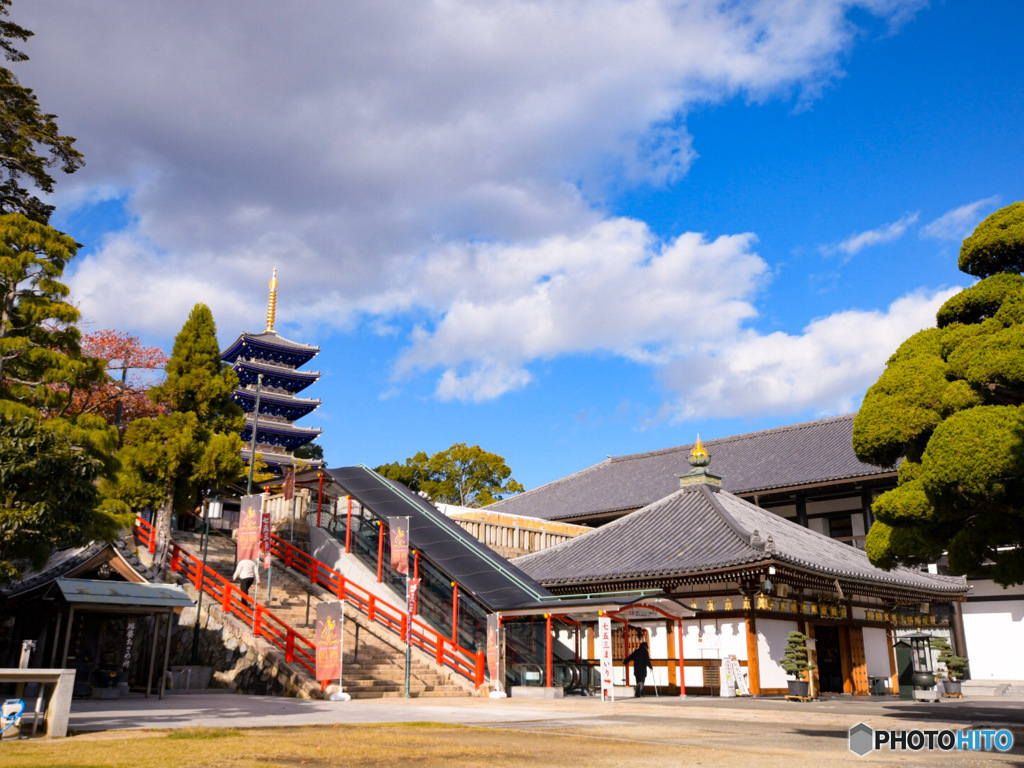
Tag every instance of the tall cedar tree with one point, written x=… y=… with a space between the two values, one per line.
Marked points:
x=466 y=476
x=169 y=460
x=30 y=142
x=950 y=405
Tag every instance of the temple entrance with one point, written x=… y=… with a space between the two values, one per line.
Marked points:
x=829 y=659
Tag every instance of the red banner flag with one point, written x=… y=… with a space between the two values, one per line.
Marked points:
x=399 y=528
x=330 y=625
x=265 y=538
x=248 y=546
x=289 y=484
x=410 y=607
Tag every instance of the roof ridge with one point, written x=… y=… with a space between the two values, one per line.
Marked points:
x=735 y=438
x=560 y=480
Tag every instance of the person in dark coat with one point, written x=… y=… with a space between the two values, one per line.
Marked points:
x=641 y=659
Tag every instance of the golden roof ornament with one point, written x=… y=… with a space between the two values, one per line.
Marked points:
x=699 y=475
x=272 y=304
x=699 y=455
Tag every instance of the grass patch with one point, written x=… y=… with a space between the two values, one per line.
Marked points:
x=201 y=732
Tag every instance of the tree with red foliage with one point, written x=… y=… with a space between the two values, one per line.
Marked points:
x=120 y=398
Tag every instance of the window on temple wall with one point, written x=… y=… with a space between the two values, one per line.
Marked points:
x=841 y=528
x=637 y=635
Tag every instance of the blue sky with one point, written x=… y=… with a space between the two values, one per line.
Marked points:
x=558 y=230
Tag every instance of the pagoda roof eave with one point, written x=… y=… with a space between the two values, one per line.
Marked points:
x=277 y=397
x=279 y=370
x=269 y=339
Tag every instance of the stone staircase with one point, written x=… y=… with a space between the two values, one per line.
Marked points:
x=373 y=657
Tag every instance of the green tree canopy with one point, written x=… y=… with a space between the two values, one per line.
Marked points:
x=466 y=476
x=30 y=141
x=168 y=461
x=48 y=489
x=950 y=407
x=40 y=355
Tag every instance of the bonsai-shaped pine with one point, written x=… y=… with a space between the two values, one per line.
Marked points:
x=794 y=658
x=956 y=666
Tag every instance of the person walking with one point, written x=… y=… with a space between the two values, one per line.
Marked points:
x=246 y=574
x=641 y=659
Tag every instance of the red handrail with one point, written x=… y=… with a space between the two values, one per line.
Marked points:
x=468 y=663
x=296 y=647
x=232 y=601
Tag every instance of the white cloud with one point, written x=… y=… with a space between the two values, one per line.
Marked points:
x=825 y=368
x=444 y=161
x=611 y=289
x=959 y=222
x=854 y=244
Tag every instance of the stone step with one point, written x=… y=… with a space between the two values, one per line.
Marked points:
x=380 y=671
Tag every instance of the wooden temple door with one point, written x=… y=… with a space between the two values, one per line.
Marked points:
x=859 y=662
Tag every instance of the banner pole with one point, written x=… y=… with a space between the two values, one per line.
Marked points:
x=408 y=634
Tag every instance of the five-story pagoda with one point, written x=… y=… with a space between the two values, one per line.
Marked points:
x=268 y=375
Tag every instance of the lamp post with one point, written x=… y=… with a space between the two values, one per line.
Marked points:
x=213 y=507
x=255 y=425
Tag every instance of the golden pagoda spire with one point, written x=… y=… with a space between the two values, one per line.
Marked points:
x=272 y=304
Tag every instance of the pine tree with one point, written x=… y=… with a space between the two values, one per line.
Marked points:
x=169 y=460
x=948 y=408
x=40 y=355
x=30 y=141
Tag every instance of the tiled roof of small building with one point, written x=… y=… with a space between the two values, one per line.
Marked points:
x=697 y=529
x=798 y=454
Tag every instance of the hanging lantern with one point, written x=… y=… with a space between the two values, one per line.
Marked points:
x=728 y=603
x=693 y=604
x=746 y=602
x=711 y=605
x=762 y=602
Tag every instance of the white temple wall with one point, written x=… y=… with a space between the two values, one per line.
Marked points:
x=771 y=644
x=994 y=630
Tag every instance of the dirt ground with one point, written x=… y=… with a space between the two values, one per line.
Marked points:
x=641 y=736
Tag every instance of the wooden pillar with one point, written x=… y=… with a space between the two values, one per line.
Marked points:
x=801 y=511
x=846 y=659
x=380 y=551
x=167 y=652
x=547 y=620
x=894 y=673
x=861 y=684
x=348 y=526
x=455 y=613
x=591 y=631
x=865 y=504
x=956 y=626
x=670 y=672
x=682 y=659
x=753 y=663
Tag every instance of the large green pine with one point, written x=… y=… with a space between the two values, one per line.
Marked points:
x=167 y=462
x=31 y=144
x=949 y=408
x=40 y=357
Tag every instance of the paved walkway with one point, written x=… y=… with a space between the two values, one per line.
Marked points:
x=226 y=709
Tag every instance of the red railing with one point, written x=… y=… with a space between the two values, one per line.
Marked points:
x=296 y=646
x=468 y=663
x=232 y=601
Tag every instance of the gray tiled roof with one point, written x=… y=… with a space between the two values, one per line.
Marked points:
x=798 y=454
x=697 y=530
